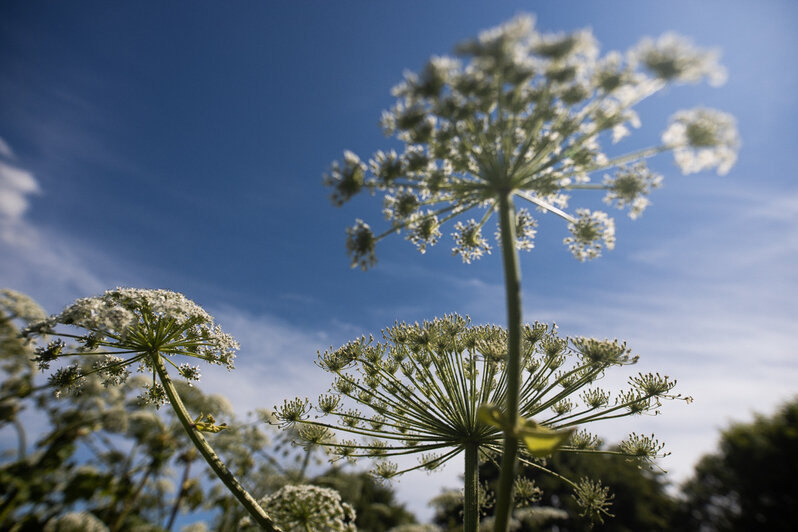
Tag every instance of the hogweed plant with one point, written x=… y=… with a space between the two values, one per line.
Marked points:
x=151 y=330
x=428 y=389
x=520 y=117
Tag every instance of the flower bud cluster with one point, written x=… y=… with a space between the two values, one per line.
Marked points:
x=642 y=447
x=630 y=187
x=593 y=499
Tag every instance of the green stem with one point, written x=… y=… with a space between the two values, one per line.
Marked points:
x=9 y=505
x=471 y=496
x=255 y=511
x=22 y=444
x=180 y=495
x=512 y=283
x=131 y=499
x=305 y=462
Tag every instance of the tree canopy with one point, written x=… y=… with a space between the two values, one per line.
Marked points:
x=749 y=483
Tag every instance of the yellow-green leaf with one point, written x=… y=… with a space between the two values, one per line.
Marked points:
x=491 y=415
x=209 y=424
x=542 y=441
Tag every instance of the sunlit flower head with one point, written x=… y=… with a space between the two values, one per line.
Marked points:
x=703 y=139
x=75 y=522
x=301 y=508
x=523 y=115
x=590 y=232
x=673 y=57
x=630 y=186
x=129 y=326
x=16 y=305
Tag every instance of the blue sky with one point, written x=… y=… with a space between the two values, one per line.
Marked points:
x=182 y=146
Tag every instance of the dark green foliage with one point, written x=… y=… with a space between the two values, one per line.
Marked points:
x=640 y=501
x=751 y=482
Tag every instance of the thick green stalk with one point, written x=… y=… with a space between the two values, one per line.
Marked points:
x=512 y=283
x=471 y=495
x=255 y=511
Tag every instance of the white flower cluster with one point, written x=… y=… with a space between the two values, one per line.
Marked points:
x=75 y=522
x=112 y=369
x=525 y=230
x=126 y=326
x=630 y=187
x=588 y=232
x=703 y=139
x=425 y=232
x=118 y=311
x=15 y=304
x=674 y=57
x=125 y=317
x=523 y=114
x=347 y=179
x=304 y=507
x=471 y=245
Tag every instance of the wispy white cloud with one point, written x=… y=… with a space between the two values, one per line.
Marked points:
x=5 y=150
x=749 y=230
x=52 y=267
x=276 y=361
x=732 y=354
x=16 y=185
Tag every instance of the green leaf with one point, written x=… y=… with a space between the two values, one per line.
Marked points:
x=491 y=415
x=542 y=441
